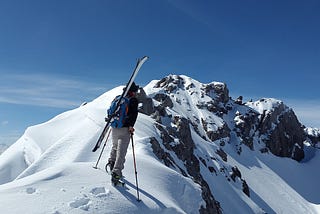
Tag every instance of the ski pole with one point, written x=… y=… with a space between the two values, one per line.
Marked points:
x=104 y=145
x=135 y=168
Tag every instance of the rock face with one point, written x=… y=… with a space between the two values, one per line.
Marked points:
x=147 y=103
x=282 y=133
x=246 y=125
x=179 y=141
x=185 y=109
x=286 y=140
x=217 y=91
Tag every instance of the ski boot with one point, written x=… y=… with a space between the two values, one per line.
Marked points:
x=115 y=179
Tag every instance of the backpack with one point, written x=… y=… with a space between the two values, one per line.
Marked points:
x=120 y=114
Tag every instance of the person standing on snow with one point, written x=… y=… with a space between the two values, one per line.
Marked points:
x=122 y=129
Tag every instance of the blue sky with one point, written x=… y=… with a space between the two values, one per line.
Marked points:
x=57 y=54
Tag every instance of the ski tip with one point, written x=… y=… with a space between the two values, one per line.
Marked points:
x=144 y=58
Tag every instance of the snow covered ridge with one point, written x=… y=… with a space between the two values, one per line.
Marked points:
x=197 y=151
x=214 y=115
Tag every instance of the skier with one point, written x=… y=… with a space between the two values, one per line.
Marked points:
x=122 y=129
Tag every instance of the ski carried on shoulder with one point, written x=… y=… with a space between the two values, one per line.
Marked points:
x=124 y=93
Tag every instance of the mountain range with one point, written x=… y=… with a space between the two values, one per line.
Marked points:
x=197 y=151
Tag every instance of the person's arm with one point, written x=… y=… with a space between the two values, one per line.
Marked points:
x=132 y=112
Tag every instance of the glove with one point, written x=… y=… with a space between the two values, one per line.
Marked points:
x=131 y=130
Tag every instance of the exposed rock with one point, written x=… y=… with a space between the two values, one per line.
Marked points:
x=217 y=91
x=239 y=100
x=191 y=85
x=212 y=169
x=160 y=153
x=156 y=116
x=83 y=104
x=184 y=150
x=170 y=83
x=222 y=154
x=147 y=103
x=269 y=118
x=213 y=106
x=203 y=161
x=270 y=125
x=245 y=188
x=264 y=150
x=220 y=133
x=245 y=127
x=164 y=100
x=285 y=133
x=235 y=173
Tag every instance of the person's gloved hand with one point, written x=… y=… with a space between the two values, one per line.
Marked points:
x=131 y=129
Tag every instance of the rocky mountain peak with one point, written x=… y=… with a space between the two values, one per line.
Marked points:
x=215 y=90
x=171 y=83
x=184 y=107
x=207 y=152
x=282 y=133
x=215 y=117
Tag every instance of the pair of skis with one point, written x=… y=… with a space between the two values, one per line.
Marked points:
x=124 y=93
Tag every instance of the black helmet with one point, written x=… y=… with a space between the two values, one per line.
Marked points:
x=134 y=87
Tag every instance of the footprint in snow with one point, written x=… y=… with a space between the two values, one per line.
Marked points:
x=99 y=191
x=31 y=190
x=81 y=203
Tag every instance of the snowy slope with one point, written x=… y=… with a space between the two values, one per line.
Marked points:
x=49 y=169
x=271 y=179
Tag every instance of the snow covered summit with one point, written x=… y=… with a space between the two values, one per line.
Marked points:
x=197 y=150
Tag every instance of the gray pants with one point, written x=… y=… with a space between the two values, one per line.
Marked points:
x=120 y=140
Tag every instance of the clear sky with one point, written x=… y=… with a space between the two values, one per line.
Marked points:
x=56 y=54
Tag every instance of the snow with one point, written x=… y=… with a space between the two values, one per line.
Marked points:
x=49 y=169
x=264 y=104
x=313 y=131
